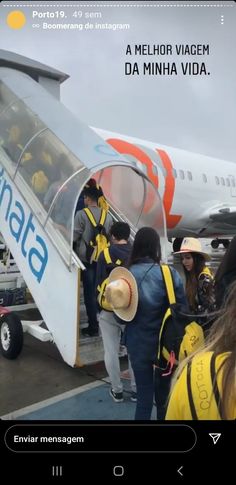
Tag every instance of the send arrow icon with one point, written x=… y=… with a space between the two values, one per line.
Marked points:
x=215 y=437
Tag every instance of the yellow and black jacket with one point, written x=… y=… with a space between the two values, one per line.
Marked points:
x=198 y=391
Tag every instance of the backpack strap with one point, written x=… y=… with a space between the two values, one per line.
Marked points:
x=163 y=350
x=168 y=280
x=190 y=394
x=209 y=397
x=216 y=391
x=103 y=217
x=92 y=219
x=108 y=259
x=107 y=256
x=90 y=216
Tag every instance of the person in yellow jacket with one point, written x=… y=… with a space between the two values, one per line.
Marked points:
x=14 y=144
x=204 y=385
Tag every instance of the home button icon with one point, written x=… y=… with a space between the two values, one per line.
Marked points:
x=118 y=471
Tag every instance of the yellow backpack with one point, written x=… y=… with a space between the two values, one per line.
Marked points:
x=99 y=239
x=102 y=203
x=39 y=182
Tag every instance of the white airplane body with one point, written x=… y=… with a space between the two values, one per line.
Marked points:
x=198 y=192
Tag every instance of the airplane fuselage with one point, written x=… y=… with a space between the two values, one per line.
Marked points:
x=196 y=190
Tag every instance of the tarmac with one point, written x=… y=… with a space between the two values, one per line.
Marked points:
x=89 y=402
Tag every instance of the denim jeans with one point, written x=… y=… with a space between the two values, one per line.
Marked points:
x=89 y=284
x=145 y=391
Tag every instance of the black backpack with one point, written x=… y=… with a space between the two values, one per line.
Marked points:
x=180 y=334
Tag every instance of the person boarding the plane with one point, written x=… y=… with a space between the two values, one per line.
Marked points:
x=102 y=202
x=14 y=143
x=116 y=255
x=138 y=296
x=83 y=234
x=215 y=367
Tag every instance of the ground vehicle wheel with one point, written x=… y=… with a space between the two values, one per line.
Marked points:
x=214 y=244
x=226 y=243
x=177 y=243
x=11 y=335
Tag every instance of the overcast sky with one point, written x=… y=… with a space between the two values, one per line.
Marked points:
x=195 y=113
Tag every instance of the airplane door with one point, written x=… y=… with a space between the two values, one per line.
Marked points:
x=232 y=185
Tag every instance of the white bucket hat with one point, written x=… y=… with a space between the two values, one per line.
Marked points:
x=122 y=293
x=192 y=245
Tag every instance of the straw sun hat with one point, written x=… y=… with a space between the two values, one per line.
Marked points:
x=122 y=293
x=192 y=245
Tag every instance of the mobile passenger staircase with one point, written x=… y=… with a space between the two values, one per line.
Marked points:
x=44 y=147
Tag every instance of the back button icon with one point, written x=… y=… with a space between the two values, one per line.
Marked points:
x=180 y=471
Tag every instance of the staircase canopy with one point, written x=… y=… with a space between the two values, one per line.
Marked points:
x=50 y=154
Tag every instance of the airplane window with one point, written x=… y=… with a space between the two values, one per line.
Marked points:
x=222 y=181
x=232 y=182
x=217 y=180
x=227 y=182
x=190 y=177
x=204 y=178
x=181 y=173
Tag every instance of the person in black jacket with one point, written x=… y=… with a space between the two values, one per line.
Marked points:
x=116 y=255
x=226 y=274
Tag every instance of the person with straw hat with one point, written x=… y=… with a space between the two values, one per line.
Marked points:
x=138 y=298
x=117 y=255
x=122 y=293
x=199 y=277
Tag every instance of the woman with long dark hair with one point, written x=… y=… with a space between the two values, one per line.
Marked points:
x=142 y=333
x=215 y=368
x=199 y=278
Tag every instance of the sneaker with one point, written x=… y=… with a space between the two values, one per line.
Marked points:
x=116 y=396
x=89 y=332
x=133 y=396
